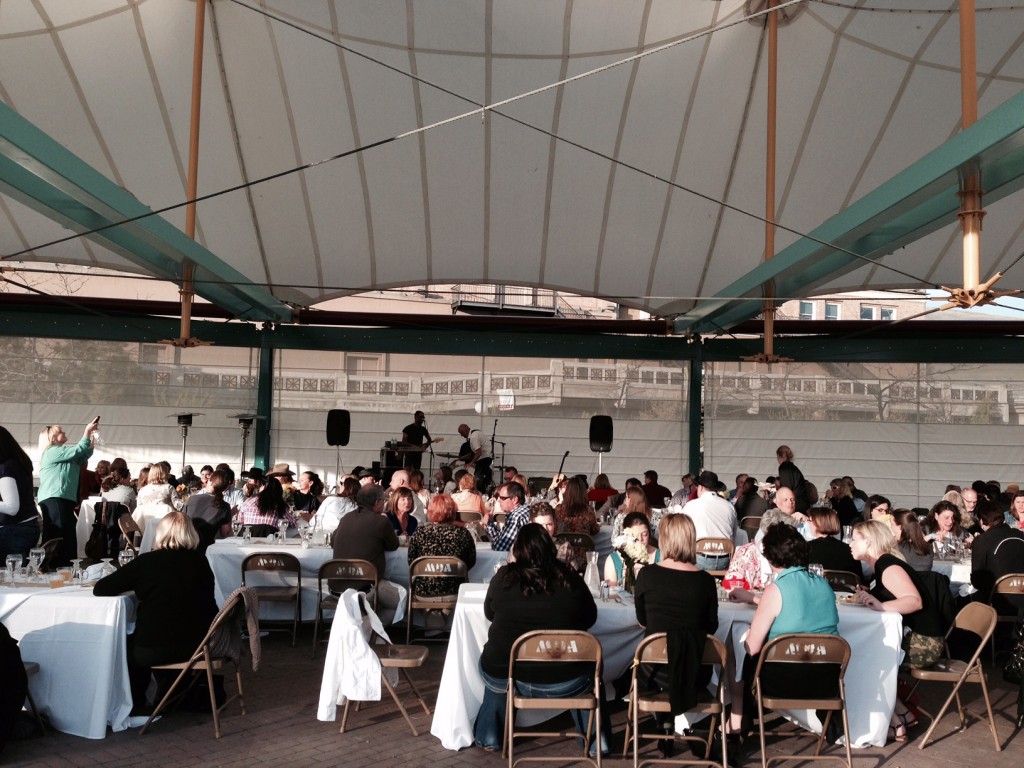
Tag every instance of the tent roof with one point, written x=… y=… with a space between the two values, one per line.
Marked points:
x=643 y=183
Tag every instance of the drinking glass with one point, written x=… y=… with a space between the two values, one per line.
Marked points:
x=36 y=557
x=124 y=557
x=282 y=529
x=247 y=534
x=76 y=568
x=816 y=569
x=236 y=527
x=108 y=567
x=13 y=564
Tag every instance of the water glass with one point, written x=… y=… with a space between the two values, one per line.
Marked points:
x=816 y=569
x=247 y=534
x=13 y=564
x=124 y=557
x=36 y=555
x=236 y=527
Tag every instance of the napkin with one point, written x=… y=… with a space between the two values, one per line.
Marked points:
x=94 y=572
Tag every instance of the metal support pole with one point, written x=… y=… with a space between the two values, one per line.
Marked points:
x=264 y=398
x=696 y=409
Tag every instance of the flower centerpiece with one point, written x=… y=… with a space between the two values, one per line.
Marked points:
x=632 y=552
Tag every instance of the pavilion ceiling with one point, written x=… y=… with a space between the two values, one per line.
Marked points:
x=326 y=167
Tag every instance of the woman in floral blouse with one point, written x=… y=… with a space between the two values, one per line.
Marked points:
x=441 y=538
x=574 y=514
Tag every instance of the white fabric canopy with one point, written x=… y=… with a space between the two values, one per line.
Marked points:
x=626 y=203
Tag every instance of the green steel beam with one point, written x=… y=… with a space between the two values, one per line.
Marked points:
x=43 y=175
x=924 y=349
x=912 y=204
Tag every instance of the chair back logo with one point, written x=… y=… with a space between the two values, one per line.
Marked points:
x=350 y=570
x=269 y=561
x=437 y=567
x=804 y=650
x=713 y=546
x=555 y=649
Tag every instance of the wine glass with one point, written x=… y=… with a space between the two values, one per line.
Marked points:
x=76 y=568
x=236 y=527
x=282 y=529
x=124 y=557
x=108 y=565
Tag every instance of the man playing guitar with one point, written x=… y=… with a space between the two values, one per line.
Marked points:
x=415 y=440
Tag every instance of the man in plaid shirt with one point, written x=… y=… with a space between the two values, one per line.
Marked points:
x=511 y=501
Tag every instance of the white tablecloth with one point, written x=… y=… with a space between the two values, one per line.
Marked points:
x=80 y=644
x=870 y=679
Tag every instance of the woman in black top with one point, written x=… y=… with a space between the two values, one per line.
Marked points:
x=916 y=550
x=831 y=553
x=675 y=597
x=899 y=589
x=535 y=591
x=174 y=587
x=791 y=477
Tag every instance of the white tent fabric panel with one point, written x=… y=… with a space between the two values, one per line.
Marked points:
x=863 y=93
x=910 y=464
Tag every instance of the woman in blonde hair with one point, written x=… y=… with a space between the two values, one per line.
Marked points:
x=899 y=589
x=59 y=468
x=174 y=587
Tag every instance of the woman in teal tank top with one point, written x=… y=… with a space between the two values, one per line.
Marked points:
x=795 y=602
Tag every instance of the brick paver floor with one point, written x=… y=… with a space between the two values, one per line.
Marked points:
x=281 y=729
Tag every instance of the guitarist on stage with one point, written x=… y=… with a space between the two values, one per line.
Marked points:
x=416 y=439
x=476 y=454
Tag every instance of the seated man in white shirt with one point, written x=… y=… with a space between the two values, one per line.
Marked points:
x=713 y=517
x=785 y=500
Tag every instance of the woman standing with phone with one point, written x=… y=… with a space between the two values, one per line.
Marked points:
x=59 y=467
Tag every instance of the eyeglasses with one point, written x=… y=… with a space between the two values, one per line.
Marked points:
x=502 y=498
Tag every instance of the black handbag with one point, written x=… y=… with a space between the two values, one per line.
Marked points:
x=96 y=546
x=1013 y=670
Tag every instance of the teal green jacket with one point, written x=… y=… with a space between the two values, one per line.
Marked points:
x=59 y=469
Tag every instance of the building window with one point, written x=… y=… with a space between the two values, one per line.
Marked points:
x=831 y=310
x=806 y=310
x=888 y=313
x=868 y=312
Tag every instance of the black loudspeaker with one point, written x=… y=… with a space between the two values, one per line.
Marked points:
x=339 y=423
x=600 y=434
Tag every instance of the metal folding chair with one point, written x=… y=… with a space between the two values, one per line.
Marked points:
x=804 y=649
x=352 y=573
x=545 y=646
x=430 y=568
x=654 y=650
x=280 y=563
x=978 y=619
x=842 y=581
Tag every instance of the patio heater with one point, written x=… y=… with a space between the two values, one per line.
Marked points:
x=184 y=421
x=245 y=421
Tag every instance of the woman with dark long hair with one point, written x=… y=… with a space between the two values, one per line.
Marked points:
x=19 y=521
x=916 y=550
x=574 y=514
x=209 y=512
x=306 y=497
x=59 y=468
x=534 y=591
x=266 y=509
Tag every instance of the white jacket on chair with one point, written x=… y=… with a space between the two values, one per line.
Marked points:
x=351 y=668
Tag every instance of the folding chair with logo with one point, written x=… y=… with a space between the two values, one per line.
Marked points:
x=842 y=581
x=283 y=565
x=558 y=646
x=654 y=650
x=777 y=661
x=341 y=574
x=423 y=571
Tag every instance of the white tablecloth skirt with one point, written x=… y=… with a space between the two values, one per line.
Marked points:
x=870 y=679
x=80 y=644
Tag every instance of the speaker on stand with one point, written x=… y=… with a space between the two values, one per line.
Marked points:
x=600 y=437
x=339 y=427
